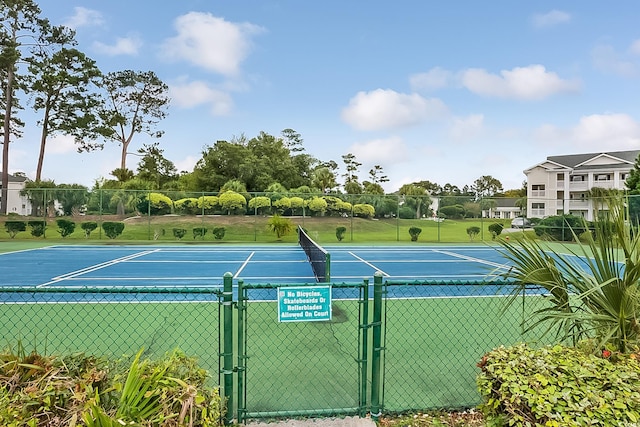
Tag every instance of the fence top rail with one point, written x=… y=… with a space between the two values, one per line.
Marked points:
x=284 y=285
x=113 y=290
x=490 y=282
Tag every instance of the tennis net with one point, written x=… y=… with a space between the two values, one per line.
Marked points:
x=319 y=258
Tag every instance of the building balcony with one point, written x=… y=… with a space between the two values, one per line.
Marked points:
x=578 y=186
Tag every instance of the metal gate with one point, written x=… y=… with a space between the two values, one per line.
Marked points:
x=300 y=368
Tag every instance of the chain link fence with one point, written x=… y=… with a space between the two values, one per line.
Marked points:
x=390 y=347
x=113 y=322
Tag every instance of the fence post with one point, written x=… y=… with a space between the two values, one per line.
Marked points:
x=227 y=349
x=376 y=371
x=364 y=353
x=242 y=306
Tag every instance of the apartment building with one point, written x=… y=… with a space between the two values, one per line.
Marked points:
x=561 y=184
x=16 y=202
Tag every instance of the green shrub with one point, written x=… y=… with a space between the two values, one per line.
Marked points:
x=112 y=229
x=363 y=210
x=88 y=227
x=155 y=204
x=179 y=233
x=65 y=227
x=37 y=227
x=199 y=232
x=414 y=232
x=280 y=226
x=218 y=232
x=406 y=212
x=559 y=386
x=14 y=227
x=340 y=233
x=495 y=229
x=473 y=231
x=452 y=212
x=559 y=227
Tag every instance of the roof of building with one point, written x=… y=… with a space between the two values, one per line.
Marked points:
x=14 y=178
x=580 y=161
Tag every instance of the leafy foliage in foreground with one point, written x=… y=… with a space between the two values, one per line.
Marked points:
x=72 y=390
x=559 y=386
x=593 y=294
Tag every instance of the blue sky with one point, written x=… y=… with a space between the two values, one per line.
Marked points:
x=439 y=91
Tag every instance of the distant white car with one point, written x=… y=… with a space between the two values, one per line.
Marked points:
x=520 y=223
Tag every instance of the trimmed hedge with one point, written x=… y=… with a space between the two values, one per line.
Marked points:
x=14 y=227
x=65 y=227
x=88 y=227
x=559 y=386
x=112 y=229
x=37 y=227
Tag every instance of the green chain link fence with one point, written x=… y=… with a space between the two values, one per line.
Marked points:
x=385 y=350
x=113 y=322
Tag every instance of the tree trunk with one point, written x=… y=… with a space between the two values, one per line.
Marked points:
x=4 y=195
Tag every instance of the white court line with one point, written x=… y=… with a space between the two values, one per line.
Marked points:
x=369 y=264
x=469 y=258
x=244 y=264
x=89 y=269
x=25 y=250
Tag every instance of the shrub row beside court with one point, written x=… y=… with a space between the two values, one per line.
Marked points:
x=65 y=227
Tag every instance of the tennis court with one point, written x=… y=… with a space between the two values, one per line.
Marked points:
x=172 y=266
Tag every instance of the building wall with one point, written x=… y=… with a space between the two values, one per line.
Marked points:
x=566 y=191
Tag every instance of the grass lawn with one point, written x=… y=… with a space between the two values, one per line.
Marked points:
x=248 y=229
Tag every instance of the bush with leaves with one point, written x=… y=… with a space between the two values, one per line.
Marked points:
x=414 y=232
x=65 y=227
x=88 y=227
x=340 y=233
x=562 y=227
x=218 y=232
x=155 y=204
x=593 y=294
x=179 y=233
x=364 y=210
x=559 y=386
x=280 y=226
x=38 y=227
x=473 y=231
x=112 y=229
x=495 y=229
x=199 y=232
x=14 y=227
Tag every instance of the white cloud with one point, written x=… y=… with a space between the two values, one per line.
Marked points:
x=61 y=144
x=211 y=42
x=388 y=109
x=606 y=59
x=634 y=49
x=468 y=127
x=192 y=94
x=596 y=132
x=435 y=78
x=123 y=46
x=84 y=17
x=381 y=151
x=541 y=20
x=529 y=83
x=186 y=164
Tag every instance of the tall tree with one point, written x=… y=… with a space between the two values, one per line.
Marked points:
x=64 y=83
x=377 y=177
x=154 y=167
x=486 y=186
x=416 y=197
x=136 y=103
x=21 y=28
x=324 y=179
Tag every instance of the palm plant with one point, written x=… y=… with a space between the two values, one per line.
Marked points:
x=595 y=296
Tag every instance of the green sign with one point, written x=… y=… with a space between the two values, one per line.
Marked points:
x=304 y=303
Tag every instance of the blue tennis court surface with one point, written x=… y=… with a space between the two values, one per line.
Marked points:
x=171 y=266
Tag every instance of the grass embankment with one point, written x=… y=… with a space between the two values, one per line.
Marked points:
x=253 y=229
